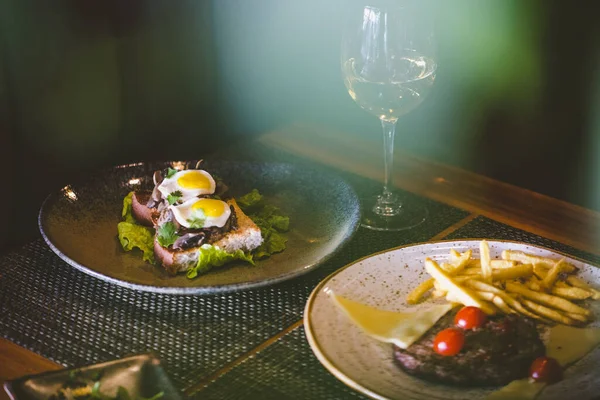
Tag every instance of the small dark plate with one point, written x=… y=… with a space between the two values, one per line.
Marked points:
x=79 y=223
x=142 y=375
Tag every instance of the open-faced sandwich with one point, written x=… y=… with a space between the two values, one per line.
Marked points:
x=190 y=223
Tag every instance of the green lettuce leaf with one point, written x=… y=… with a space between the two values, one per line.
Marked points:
x=249 y=200
x=280 y=223
x=274 y=242
x=126 y=213
x=212 y=256
x=133 y=235
x=269 y=219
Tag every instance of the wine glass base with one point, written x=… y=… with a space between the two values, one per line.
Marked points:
x=408 y=215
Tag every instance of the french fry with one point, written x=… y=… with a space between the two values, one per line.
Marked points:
x=499 y=264
x=518 y=271
x=501 y=304
x=463 y=295
x=517 y=306
x=572 y=293
x=419 y=291
x=534 y=284
x=471 y=272
x=578 y=282
x=561 y=289
x=497 y=301
x=525 y=258
x=577 y=317
x=503 y=274
x=482 y=286
x=454 y=255
x=495 y=264
x=446 y=266
x=484 y=255
x=488 y=296
x=540 y=271
x=460 y=263
x=508 y=299
x=548 y=312
x=552 y=274
x=484 y=296
x=575 y=281
x=547 y=299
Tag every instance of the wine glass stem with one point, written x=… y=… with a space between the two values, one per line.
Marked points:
x=388 y=204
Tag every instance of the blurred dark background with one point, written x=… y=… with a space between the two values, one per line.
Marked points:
x=93 y=83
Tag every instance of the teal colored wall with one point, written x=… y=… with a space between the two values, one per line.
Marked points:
x=93 y=83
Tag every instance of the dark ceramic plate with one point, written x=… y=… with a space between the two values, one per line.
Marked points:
x=140 y=375
x=80 y=221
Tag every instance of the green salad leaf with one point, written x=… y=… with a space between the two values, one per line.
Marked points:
x=133 y=235
x=249 y=200
x=166 y=234
x=126 y=212
x=212 y=256
x=270 y=220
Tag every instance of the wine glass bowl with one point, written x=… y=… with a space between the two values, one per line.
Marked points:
x=388 y=65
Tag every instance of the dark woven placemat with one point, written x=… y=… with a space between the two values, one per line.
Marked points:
x=74 y=319
x=285 y=370
x=288 y=369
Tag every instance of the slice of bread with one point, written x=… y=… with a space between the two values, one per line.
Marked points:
x=245 y=237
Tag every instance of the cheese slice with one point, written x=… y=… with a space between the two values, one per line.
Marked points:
x=567 y=344
x=399 y=328
x=522 y=389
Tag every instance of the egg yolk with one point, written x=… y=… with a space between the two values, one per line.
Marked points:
x=194 y=180
x=211 y=207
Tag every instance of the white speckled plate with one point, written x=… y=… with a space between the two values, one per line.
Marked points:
x=383 y=280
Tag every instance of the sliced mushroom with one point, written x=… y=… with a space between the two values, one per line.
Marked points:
x=189 y=240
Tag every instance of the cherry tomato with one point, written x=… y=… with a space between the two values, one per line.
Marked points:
x=545 y=369
x=470 y=317
x=449 y=341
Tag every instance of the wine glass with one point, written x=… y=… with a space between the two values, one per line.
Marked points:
x=388 y=64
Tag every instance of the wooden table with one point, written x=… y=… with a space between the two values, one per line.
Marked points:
x=479 y=195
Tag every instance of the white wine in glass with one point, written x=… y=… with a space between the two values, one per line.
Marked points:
x=388 y=64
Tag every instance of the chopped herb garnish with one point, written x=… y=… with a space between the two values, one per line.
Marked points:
x=171 y=172
x=174 y=197
x=196 y=223
x=167 y=234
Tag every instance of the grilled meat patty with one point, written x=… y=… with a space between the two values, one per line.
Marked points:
x=495 y=354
